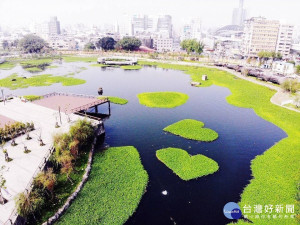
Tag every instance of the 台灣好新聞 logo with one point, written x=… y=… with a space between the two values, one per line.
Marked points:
x=232 y=211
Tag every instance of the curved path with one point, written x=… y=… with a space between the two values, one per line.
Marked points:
x=277 y=98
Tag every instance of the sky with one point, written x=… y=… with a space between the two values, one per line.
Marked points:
x=214 y=13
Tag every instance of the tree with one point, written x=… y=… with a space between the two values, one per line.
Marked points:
x=2 y=184
x=291 y=85
x=15 y=43
x=82 y=131
x=32 y=43
x=5 y=44
x=106 y=43
x=89 y=46
x=265 y=56
x=192 y=45
x=129 y=43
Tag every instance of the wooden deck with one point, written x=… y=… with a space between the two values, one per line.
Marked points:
x=70 y=103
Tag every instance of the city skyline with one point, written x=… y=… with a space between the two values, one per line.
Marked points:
x=92 y=13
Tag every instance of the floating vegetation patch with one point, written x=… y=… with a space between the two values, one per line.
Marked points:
x=162 y=99
x=192 y=129
x=185 y=166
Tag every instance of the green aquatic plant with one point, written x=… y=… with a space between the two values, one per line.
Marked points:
x=7 y=65
x=192 y=129
x=15 y=82
x=115 y=187
x=185 y=166
x=276 y=172
x=70 y=58
x=162 y=99
x=115 y=100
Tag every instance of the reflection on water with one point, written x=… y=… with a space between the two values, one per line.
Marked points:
x=242 y=136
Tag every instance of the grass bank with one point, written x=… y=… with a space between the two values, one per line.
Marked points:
x=115 y=100
x=68 y=58
x=192 y=129
x=275 y=172
x=185 y=166
x=15 y=82
x=114 y=189
x=162 y=99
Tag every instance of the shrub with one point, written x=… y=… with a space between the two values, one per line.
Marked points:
x=291 y=85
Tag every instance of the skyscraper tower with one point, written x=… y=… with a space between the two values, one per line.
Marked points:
x=239 y=15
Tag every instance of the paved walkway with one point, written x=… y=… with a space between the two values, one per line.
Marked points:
x=19 y=172
x=280 y=98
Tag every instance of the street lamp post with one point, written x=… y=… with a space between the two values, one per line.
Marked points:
x=2 y=91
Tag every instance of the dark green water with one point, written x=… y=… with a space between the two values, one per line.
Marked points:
x=242 y=136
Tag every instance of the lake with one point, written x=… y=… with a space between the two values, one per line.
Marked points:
x=242 y=136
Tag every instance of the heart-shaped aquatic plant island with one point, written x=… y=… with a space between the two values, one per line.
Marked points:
x=192 y=129
x=185 y=166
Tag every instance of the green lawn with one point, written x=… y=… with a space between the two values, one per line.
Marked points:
x=162 y=99
x=7 y=66
x=276 y=172
x=80 y=59
x=185 y=166
x=39 y=80
x=192 y=129
x=116 y=184
x=134 y=67
x=115 y=100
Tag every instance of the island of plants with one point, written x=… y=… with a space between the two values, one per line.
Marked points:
x=115 y=100
x=7 y=65
x=14 y=81
x=192 y=129
x=116 y=184
x=185 y=166
x=276 y=172
x=162 y=99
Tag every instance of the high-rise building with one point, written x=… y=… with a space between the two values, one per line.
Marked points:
x=54 y=26
x=260 y=34
x=284 y=40
x=42 y=29
x=192 y=30
x=151 y=24
x=239 y=14
x=164 y=25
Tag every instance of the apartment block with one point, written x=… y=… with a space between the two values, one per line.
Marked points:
x=284 y=41
x=260 y=34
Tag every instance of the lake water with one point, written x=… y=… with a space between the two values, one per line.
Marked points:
x=242 y=136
